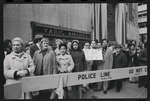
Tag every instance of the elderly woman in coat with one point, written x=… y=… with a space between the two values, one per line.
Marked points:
x=45 y=62
x=65 y=65
x=18 y=64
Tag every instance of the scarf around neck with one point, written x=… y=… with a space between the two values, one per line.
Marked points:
x=18 y=54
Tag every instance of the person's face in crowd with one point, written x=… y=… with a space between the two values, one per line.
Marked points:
x=75 y=46
x=133 y=42
x=132 y=47
x=31 y=43
x=93 y=44
x=99 y=45
x=10 y=44
x=17 y=47
x=45 y=45
x=126 y=46
x=105 y=43
x=69 y=45
x=117 y=50
x=57 y=43
x=138 y=49
x=87 y=46
x=63 y=50
x=27 y=48
x=143 y=46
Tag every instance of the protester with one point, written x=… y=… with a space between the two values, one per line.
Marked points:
x=119 y=61
x=89 y=66
x=65 y=64
x=133 y=42
x=26 y=46
x=18 y=64
x=45 y=62
x=31 y=43
x=106 y=63
x=112 y=46
x=80 y=65
x=94 y=65
x=143 y=46
x=93 y=44
x=7 y=47
x=68 y=46
x=36 y=47
x=140 y=44
x=99 y=45
x=132 y=54
x=125 y=50
x=142 y=57
x=57 y=42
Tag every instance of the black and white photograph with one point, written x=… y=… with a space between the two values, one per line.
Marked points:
x=75 y=51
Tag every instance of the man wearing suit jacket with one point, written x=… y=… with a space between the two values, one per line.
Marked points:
x=106 y=63
x=36 y=46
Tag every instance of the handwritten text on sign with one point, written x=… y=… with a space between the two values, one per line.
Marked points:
x=93 y=54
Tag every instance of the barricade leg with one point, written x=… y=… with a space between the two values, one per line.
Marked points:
x=80 y=91
x=105 y=85
x=27 y=95
x=53 y=94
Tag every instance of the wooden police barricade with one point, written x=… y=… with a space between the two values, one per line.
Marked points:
x=36 y=83
x=59 y=81
x=105 y=75
x=13 y=91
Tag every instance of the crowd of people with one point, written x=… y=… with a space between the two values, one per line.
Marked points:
x=37 y=57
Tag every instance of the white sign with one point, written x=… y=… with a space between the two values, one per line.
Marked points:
x=143 y=30
x=93 y=54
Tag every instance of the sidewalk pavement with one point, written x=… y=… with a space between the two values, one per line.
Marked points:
x=129 y=90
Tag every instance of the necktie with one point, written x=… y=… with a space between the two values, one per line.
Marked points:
x=104 y=51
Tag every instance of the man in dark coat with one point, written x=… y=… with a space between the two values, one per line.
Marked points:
x=142 y=57
x=36 y=46
x=120 y=61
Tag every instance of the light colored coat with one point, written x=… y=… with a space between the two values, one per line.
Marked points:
x=65 y=62
x=107 y=63
x=13 y=63
x=49 y=62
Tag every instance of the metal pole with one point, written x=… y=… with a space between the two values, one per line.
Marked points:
x=94 y=23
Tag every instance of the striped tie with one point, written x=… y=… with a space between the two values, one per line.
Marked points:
x=104 y=51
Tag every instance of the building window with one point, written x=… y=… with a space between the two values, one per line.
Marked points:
x=140 y=15
x=142 y=24
x=144 y=14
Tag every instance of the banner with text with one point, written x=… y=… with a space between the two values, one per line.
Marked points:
x=104 y=75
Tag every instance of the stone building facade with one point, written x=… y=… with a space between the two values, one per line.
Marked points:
x=84 y=22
